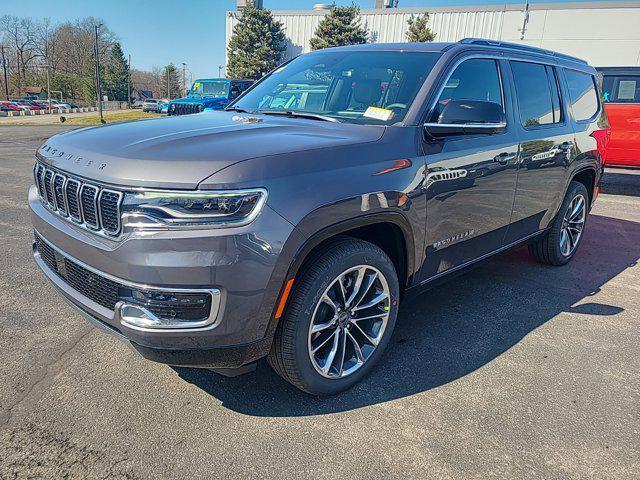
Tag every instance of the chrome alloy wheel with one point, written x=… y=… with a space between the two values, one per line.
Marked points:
x=573 y=224
x=349 y=321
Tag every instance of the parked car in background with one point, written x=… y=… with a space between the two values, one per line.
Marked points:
x=621 y=96
x=162 y=102
x=150 y=105
x=27 y=103
x=217 y=239
x=209 y=94
x=164 y=108
x=9 y=107
x=137 y=103
x=20 y=106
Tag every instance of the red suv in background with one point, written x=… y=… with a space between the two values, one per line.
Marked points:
x=621 y=96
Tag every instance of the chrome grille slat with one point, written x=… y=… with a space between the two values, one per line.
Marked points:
x=71 y=192
x=48 y=187
x=58 y=193
x=91 y=206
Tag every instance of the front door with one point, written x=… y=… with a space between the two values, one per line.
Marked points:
x=470 y=179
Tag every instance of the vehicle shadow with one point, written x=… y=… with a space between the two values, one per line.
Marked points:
x=454 y=329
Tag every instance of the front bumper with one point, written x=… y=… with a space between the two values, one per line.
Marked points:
x=243 y=269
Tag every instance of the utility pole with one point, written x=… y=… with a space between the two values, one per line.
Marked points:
x=184 y=79
x=98 y=83
x=129 y=84
x=6 y=78
x=48 y=88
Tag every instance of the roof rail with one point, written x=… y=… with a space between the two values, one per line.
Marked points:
x=521 y=47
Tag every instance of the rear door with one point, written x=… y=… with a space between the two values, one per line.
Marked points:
x=546 y=146
x=470 y=179
x=621 y=95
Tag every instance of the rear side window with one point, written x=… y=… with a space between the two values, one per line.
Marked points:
x=621 y=88
x=537 y=94
x=582 y=93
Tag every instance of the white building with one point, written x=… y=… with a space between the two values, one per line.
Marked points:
x=605 y=33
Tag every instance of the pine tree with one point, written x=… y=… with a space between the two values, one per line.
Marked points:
x=170 y=82
x=341 y=26
x=116 y=75
x=419 y=30
x=256 y=46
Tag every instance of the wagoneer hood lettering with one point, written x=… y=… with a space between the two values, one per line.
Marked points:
x=180 y=152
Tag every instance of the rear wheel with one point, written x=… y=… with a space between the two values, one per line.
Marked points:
x=560 y=243
x=339 y=320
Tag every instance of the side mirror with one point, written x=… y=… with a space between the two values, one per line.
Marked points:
x=468 y=117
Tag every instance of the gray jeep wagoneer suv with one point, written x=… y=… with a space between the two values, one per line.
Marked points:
x=291 y=225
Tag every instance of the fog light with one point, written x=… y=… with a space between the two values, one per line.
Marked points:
x=156 y=309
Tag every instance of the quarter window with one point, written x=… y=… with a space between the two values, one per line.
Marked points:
x=537 y=94
x=582 y=92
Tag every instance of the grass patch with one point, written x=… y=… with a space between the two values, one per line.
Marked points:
x=110 y=116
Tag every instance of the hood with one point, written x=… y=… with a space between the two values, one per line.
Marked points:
x=181 y=151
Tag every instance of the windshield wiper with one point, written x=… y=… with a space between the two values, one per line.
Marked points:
x=236 y=109
x=294 y=114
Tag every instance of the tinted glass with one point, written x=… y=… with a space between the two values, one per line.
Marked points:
x=372 y=87
x=582 y=93
x=555 y=93
x=476 y=79
x=533 y=94
x=621 y=88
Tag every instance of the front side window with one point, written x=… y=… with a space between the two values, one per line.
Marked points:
x=534 y=84
x=368 y=87
x=582 y=93
x=475 y=79
x=621 y=88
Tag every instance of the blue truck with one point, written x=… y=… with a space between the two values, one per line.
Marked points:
x=208 y=93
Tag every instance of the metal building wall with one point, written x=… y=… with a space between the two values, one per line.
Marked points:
x=603 y=33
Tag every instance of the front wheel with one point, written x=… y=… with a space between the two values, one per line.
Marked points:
x=339 y=320
x=560 y=243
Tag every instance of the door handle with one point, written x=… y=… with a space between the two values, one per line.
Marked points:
x=504 y=157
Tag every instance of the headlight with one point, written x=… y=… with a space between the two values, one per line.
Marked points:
x=158 y=210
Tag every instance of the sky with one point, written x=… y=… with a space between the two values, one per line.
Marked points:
x=156 y=32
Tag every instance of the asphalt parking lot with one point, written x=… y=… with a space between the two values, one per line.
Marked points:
x=514 y=370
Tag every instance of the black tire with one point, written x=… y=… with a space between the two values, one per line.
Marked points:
x=548 y=249
x=289 y=355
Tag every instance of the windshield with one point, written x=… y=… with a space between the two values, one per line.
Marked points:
x=209 y=88
x=374 y=87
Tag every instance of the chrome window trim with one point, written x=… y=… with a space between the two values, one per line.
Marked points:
x=209 y=323
x=467 y=125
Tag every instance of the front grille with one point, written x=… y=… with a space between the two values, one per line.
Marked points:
x=107 y=292
x=185 y=108
x=89 y=205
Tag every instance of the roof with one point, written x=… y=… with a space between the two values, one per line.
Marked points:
x=145 y=93
x=467 y=43
x=619 y=70
x=35 y=90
